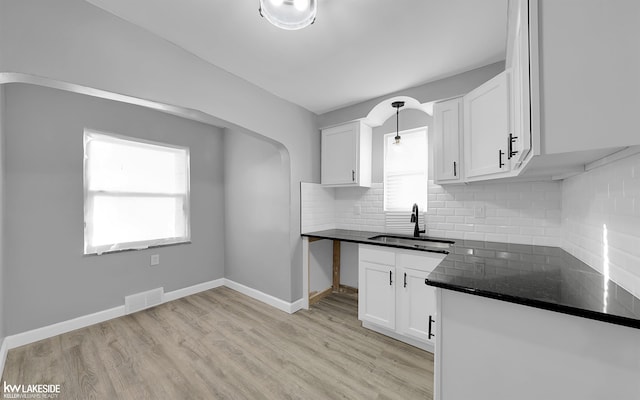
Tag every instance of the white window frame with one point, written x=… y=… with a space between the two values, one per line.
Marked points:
x=423 y=205
x=88 y=198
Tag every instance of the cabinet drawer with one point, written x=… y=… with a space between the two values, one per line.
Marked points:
x=423 y=261
x=376 y=255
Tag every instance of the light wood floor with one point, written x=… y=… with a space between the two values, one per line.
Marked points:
x=220 y=344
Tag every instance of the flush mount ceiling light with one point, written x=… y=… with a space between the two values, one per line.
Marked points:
x=397 y=105
x=289 y=14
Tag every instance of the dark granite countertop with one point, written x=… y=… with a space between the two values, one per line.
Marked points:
x=538 y=276
x=344 y=235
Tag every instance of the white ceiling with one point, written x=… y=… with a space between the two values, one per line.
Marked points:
x=356 y=50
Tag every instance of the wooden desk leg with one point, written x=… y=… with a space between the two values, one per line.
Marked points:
x=336 y=266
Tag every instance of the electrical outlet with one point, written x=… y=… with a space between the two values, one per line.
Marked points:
x=357 y=210
x=155 y=259
x=479 y=267
x=479 y=212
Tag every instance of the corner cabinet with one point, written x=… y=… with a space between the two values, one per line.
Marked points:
x=346 y=155
x=447 y=121
x=393 y=298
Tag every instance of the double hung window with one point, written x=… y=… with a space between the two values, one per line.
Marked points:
x=405 y=171
x=136 y=193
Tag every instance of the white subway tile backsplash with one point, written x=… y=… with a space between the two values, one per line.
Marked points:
x=464 y=227
x=532 y=231
x=455 y=219
x=463 y=211
x=484 y=228
x=474 y=236
x=508 y=229
x=450 y=211
x=514 y=212
x=601 y=220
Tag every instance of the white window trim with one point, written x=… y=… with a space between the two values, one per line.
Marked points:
x=138 y=245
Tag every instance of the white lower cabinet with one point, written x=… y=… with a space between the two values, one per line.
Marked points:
x=393 y=298
x=416 y=311
x=377 y=294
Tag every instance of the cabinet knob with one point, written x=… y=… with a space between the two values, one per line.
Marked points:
x=500 y=163
x=455 y=170
x=390 y=278
x=353 y=175
x=405 y=279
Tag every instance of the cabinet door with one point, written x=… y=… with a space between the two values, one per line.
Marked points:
x=486 y=128
x=518 y=66
x=376 y=294
x=340 y=147
x=446 y=117
x=416 y=304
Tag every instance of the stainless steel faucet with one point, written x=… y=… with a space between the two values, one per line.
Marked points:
x=415 y=218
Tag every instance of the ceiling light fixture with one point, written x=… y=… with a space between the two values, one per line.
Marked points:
x=289 y=14
x=397 y=105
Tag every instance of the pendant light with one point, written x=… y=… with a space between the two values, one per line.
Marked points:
x=397 y=105
x=289 y=14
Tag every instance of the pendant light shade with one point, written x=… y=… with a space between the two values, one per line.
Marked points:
x=289 y=14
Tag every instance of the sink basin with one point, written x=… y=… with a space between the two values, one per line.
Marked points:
x=426 y=243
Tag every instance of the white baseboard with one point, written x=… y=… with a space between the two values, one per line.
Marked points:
x=265 y=298
x=3 y=355
x=188 y=291
x=59 y=328
x=20 y=339
x=296 y=305
x=34 y=335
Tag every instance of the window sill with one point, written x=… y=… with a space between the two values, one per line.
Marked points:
x=155 y=246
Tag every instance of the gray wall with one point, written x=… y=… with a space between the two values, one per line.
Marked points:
x=2 y=286
x=51 y=279
x=74 y=41
x=321 y=265
x=256 y=176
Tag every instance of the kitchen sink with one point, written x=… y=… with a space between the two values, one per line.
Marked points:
x=426 y=243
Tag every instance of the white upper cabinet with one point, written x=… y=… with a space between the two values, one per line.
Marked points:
x=549 y=113
x=447 y=134
x=517 y=64
x=346 y=155
x=486 y=129
x=589 y=74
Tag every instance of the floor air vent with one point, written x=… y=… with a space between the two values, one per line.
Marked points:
x=140 y=301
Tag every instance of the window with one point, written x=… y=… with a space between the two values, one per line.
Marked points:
x=405 y=171
x=136 y=193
